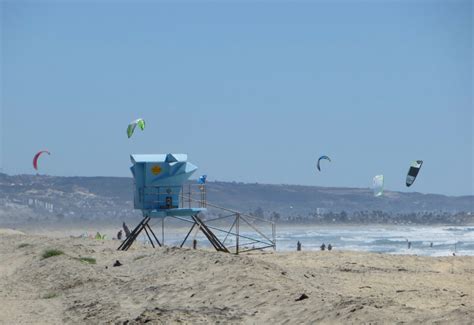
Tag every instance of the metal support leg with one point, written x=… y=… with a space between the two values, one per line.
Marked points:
x=149 y=238
x=185 y=238
x=157 y=241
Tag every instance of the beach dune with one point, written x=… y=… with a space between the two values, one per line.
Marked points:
x=169 y=285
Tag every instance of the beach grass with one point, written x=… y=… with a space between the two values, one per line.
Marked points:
x=51 y=252
x=49 y=295
x=88 y=260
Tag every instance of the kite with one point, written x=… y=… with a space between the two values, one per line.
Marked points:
x=35 y=158
x=131 y=127
x=320 y=158
x=378 y=185
x=413 y=172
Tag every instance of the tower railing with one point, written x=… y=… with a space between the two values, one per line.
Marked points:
x=255 y=239
x=236 y=231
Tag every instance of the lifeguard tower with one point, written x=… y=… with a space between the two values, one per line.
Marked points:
x=162 y=189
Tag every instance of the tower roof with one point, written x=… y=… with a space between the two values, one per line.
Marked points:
x=158 y=158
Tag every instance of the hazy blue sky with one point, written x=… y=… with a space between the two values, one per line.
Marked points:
x=252 y=92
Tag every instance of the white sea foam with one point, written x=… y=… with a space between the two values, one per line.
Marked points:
x=385 y=239
x=394 y=240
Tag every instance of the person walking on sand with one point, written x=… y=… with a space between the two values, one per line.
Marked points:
x=323 y=247
x=298 y=246
x=329 y=247
x=127 y=231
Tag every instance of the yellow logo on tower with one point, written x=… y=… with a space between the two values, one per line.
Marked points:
x=155 y=170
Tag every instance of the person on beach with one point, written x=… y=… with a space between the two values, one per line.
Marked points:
x=409 y=244
x=127 y=231
x=323 y=247
x=298 y=246
x=119 y=234
x=329 y=247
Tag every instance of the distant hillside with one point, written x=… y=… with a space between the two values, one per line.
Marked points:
x=34 y=197
x=306 y=199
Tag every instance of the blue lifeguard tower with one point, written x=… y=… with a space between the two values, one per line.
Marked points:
x=160 y=181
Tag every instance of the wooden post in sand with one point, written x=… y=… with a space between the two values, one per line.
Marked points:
x=274 y=236
x=237 y=233
x=163 y=231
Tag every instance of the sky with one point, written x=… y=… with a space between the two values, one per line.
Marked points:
x=251 y=91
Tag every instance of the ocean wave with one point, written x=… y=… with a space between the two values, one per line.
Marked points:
x=391 y=240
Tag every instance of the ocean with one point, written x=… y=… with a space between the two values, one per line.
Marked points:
x=424 y=240
x=445 y=240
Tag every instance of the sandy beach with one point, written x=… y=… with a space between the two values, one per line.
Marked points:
x=172 y=285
